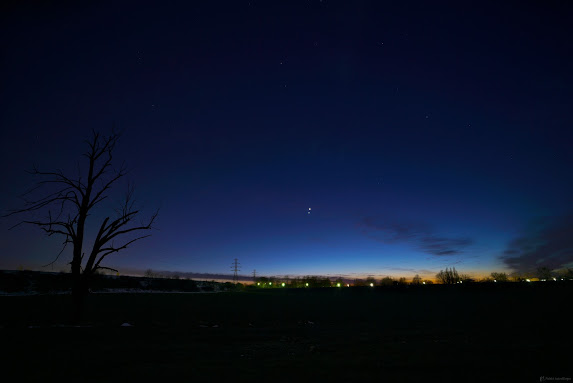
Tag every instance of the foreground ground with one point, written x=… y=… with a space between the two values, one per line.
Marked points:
x=496 y=333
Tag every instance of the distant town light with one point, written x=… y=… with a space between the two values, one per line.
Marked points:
x=348 y=285
x=554 y=278
x=527 y=280
x=338 y=285
x=306 y=284
x=283 y=284
x=495 y=280
x=423 y=283
x=371 y=284
x=461 y=281
x=258 y=283
x=270 y=283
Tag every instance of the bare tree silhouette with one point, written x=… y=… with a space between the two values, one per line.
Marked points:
x=417 y=280
x=499 y=277
x=449 y=276
x=69 y=203
x=387 y=281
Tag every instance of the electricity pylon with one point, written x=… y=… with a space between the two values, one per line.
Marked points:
x=236 y=267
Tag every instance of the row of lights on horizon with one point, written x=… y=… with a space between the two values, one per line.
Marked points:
x=337 y=285
x=372 y=284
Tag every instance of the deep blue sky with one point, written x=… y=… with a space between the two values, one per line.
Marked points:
x=422 y=135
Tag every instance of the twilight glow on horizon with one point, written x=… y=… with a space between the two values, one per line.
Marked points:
x=303 y=138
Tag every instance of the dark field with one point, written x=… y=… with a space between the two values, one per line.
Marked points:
x=517 y=332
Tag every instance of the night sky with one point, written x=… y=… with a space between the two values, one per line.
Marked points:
x=303 y=137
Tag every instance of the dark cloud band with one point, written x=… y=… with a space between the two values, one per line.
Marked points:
x=548 y=243
x=419 y=235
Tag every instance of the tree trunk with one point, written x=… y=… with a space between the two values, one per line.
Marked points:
x=79 y=292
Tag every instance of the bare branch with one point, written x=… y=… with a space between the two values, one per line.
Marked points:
x=111 y=249
x=58 y=256
x=98 y=197
x=59 y=177
x=58 y=196
x=143 y=227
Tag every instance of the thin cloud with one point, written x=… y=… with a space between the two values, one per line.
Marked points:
x=411 y=270
x=549 y=243
x=419 y=235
